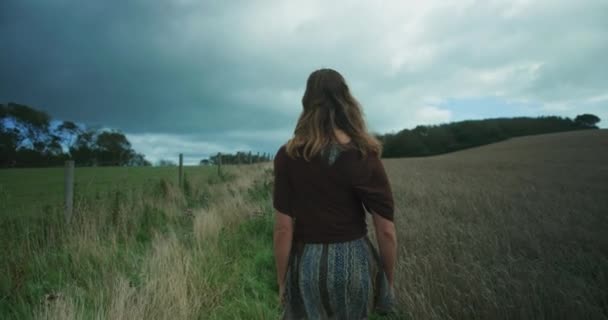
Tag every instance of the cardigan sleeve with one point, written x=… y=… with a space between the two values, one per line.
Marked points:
x=372 y=187
x=281 y=188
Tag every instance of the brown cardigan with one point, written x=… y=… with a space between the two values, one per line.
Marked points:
x=328 y=200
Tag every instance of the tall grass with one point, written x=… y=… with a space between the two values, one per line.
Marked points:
x=515 y=230
x=153 y=252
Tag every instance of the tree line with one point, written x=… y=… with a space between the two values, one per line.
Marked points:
x=438 y=139
x=28 y=138
x=239 y=157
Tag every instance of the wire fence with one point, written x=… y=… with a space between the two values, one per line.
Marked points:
x=25 y=190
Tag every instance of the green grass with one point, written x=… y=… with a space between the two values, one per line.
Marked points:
x=31 y=190
x=116 y=235
x=249 y=275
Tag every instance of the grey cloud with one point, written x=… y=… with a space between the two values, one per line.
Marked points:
x=122 y=64
x=197 y=69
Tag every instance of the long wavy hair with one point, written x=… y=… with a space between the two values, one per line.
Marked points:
x=327 y=105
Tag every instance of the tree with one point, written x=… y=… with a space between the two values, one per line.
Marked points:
x=32 y=124
x=3 y=112
x=113 y=148
x=53 y=145
x=9 y=141
x=69 y=131
x=166 y=163
x=27 y=140
x=439 y=138
x=105 y=148
x=83 y=149
x=587 y=120
x=138 y=160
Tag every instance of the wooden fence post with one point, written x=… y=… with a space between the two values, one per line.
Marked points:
x=250 y=158
x=69 y=189
x=219 y=164
x=180 y=172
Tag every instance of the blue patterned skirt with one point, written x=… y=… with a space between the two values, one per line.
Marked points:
x=335 y=281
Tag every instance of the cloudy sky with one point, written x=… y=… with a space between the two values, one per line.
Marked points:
x=200 y=77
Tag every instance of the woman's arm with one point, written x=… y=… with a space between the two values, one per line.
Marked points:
x=387 y=244
x=283 y=235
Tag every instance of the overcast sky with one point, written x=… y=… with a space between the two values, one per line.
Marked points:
x=200 y=77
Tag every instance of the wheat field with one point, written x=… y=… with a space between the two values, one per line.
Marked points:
x=513 y=230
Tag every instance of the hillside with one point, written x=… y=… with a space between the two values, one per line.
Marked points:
x=461 y=135
x=511 y=230
x=585 y=145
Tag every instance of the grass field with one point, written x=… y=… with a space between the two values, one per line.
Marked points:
x=18 y=187
x=143 y=249
x=513 y=230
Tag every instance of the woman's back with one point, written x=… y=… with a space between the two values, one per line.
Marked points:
x=325 y=195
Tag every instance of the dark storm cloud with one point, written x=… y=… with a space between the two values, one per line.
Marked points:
x=125 y=64
x=211 y=76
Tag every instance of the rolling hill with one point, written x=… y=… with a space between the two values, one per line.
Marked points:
x=511 y=230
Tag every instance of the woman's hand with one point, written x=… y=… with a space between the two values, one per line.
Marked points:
x=281 y=294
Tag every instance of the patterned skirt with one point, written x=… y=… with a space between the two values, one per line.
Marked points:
x=335 y=281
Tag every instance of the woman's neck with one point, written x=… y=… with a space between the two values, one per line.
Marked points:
x=342 y=137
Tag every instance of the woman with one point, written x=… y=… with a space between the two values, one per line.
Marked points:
x=325 y=178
